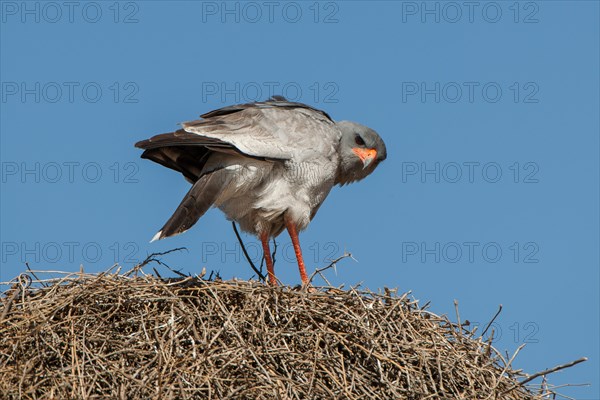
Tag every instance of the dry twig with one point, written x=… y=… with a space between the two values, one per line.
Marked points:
x=118 y=335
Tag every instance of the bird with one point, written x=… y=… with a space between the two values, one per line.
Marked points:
x=268 y=165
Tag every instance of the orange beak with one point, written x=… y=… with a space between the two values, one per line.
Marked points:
x=366 y=155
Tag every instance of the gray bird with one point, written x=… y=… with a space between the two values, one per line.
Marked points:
x=267 y=165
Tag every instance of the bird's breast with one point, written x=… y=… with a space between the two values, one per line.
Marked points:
x=262 y=195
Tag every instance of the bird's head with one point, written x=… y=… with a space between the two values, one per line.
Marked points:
x=361 y=150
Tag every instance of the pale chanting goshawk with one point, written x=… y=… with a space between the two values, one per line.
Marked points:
x=267 y=165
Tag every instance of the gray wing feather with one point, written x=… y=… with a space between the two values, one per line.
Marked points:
x=276 y=130
x=179 y=138
x=274 y=101
x=279 y=132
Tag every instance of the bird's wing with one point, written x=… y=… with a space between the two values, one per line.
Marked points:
x=269 y=130
x=272 y=130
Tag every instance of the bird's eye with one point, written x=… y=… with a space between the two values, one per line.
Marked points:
x=359 y=141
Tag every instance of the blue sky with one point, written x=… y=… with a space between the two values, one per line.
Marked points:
x=489 y=111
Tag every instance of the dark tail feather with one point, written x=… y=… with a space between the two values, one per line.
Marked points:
x=196 y=202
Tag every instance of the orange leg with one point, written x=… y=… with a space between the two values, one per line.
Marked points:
x=264 y=238
x=291 y=227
